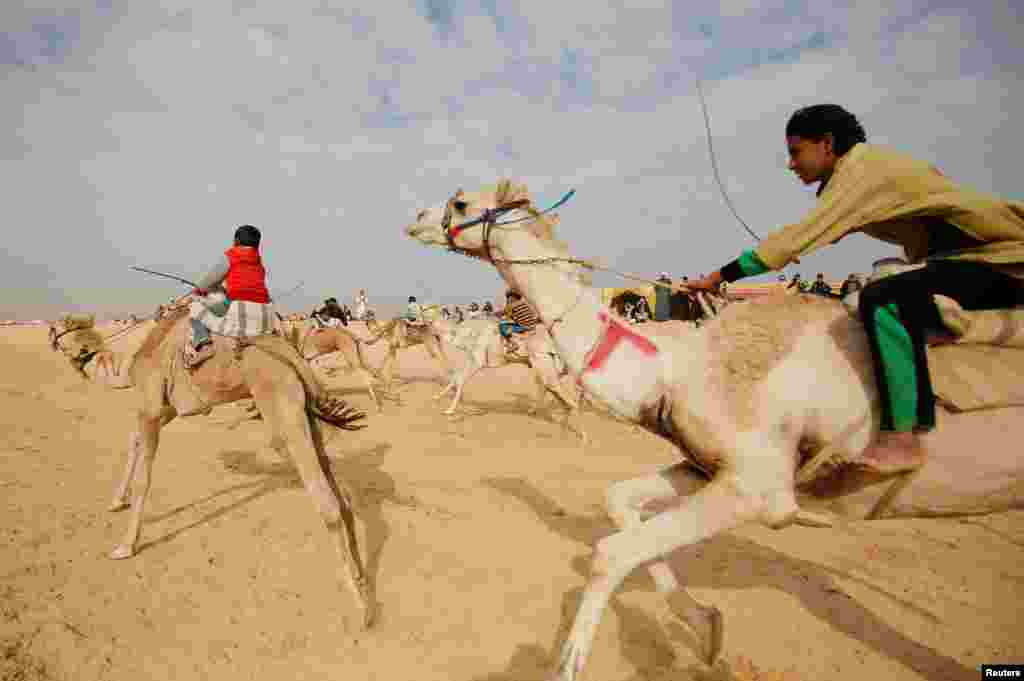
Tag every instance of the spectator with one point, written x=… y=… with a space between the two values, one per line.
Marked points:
x=821 y=287
x=849 y=286
x=663 y=299
x=413 y=311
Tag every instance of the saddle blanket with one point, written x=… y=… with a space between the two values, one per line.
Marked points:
x=241 y=320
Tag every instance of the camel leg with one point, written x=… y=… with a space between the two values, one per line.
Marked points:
x=541 y=397
x=626 y=503
x=387 y=370
x=452 y=382
x=120 y=501
x=717 y=507
x=291 y=424
x=463 y=378
x=368 y=380
x=149 y=440
x=573 y=417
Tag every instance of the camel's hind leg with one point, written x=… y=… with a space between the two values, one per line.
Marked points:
x=628 y=503
x=387 y=371
x=460 y=383
x=144 y=452
x=120 y=501
x=284 y=411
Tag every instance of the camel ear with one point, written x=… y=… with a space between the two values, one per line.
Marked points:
x=510 y=192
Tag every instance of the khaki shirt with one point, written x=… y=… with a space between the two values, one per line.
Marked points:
x=892 y=197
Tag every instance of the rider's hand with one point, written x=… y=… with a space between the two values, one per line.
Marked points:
x=200 y=292
x=708 y=283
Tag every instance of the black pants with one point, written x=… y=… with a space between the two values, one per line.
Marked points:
x=974 y=285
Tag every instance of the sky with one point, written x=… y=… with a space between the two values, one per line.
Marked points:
x=143 y=132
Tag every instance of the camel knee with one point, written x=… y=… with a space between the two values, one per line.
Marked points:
x=623 y=501
x=780 y=509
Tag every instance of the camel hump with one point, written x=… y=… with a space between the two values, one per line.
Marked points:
x=74 y=322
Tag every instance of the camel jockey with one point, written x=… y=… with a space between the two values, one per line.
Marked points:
x=238 y=276
x=520 y=317
x=969 y=245
x=413 y=311
x=331 y=314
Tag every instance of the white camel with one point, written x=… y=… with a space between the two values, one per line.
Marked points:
x=480 y=341
x=746 y=399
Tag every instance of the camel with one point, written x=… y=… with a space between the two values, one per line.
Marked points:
x=400 y=335
x=314 y=342
x=89 y=353
x=481 y=341
x=745 y=399
x=270 y=370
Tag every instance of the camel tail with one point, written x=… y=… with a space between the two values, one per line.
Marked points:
x=337 y=413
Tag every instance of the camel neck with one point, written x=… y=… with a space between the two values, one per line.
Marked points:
x=570 y=310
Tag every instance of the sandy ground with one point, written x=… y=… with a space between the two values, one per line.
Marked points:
x=480 y=531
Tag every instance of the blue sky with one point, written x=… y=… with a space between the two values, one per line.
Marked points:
x=142 y=133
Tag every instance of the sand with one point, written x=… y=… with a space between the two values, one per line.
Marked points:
x=481 y=526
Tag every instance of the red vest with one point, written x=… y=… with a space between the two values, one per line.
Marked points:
x=246 y=278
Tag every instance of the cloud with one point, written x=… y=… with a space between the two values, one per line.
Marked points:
x=158 y=130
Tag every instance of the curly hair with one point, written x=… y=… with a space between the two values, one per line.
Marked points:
x=814 y=122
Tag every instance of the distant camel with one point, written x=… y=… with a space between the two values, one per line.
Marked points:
x=315 y=342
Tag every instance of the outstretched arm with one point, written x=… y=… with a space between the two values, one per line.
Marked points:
x=215 y=276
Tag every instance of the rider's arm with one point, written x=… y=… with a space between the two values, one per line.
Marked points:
x=215 y=275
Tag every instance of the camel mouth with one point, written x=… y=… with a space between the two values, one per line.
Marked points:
x=426 y=234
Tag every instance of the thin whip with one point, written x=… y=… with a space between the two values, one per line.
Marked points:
x=714 y=164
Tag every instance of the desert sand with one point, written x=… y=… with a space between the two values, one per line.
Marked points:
x=480 y=528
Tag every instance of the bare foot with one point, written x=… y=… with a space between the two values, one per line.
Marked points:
x=894 y=453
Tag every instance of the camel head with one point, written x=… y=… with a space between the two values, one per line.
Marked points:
x=439 y=225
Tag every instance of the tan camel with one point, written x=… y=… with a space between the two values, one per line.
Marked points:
x=315 y=342
x=745 y=399
x=89 y=353
x=399 y=334
x=481 y=342
x=270 y=370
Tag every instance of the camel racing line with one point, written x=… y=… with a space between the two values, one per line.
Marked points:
x=1002 y=671
x=614 y=333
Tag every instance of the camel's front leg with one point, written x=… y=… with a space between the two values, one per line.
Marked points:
x=627 y=503
x=463 y=378
x=120 y=501
x=542 y=394
x=453 y=381
x=719 y=506
x=368 y=380
x=149 y=439
x=387 y=370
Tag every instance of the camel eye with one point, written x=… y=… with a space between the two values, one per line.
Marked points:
x=422 y=214
x=460 y=206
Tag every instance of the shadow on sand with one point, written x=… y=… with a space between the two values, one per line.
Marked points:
x=645 y=644
x=359 y=471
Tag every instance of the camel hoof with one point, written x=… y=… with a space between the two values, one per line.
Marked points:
x=118 y=505
x=706 y=623
x=121 y=552
x=369 y=617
